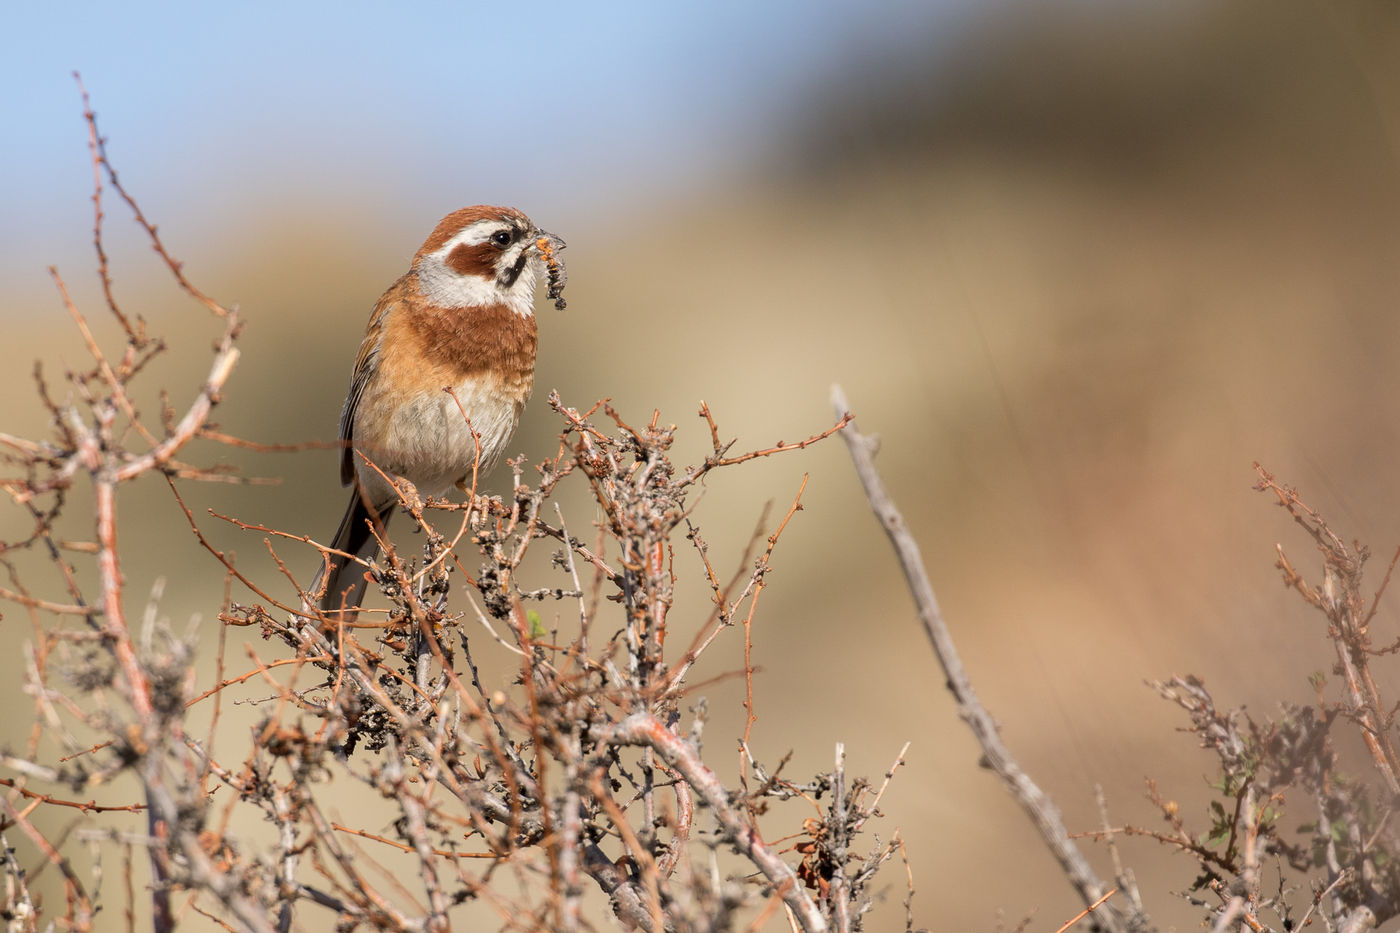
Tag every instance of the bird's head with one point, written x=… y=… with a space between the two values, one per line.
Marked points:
x=488 y=256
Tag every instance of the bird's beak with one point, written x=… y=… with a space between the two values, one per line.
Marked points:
x=556 y=243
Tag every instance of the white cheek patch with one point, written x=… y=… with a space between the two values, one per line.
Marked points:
x=444 y=286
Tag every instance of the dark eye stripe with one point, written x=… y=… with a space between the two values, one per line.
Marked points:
x=512 y=272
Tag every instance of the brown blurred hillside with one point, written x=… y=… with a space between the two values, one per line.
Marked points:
x=1078 y=279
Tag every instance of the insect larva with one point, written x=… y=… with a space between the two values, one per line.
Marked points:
x=558 y=275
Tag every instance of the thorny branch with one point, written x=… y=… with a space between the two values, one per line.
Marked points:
x=511 y=789
x=504 y=788
x=1339 y=864
x=1340 y=599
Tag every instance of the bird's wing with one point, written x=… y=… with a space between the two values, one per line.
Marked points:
x=366 y=362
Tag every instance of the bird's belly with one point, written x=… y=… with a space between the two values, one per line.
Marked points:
x=428 y=441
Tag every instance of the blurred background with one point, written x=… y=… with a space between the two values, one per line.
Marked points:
x=1078 y=264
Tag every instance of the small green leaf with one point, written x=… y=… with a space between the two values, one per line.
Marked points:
x=536 y=626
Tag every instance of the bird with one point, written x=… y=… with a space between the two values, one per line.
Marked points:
x=461 y=319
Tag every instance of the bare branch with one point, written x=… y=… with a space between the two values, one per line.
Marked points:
x=1037 y=804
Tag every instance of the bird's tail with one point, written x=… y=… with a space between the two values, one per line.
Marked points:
x=341 y=581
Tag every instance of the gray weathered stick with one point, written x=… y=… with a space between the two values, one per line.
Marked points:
x=1037 y=804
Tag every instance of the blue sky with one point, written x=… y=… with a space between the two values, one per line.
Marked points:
x=218 y=105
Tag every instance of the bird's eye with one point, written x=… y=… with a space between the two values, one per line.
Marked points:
x=501 y=238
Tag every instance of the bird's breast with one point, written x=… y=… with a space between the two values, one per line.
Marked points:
x=411 y=425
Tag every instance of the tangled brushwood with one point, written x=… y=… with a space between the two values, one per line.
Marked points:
x=1301 y=832
x=506 y=771
x=560 y=791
